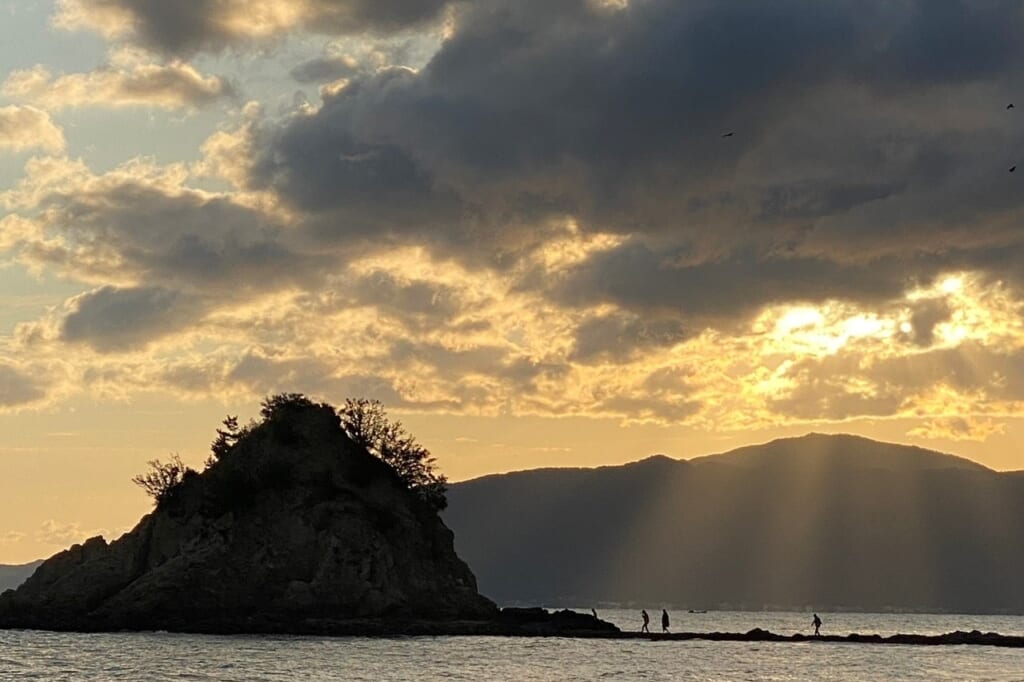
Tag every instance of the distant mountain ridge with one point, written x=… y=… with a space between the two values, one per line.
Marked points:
x=864 y=452
x=820 y=521
x=11 y=577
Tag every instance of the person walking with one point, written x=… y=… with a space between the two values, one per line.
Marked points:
x=664 y=620
x=647 y=619
x=817 y=625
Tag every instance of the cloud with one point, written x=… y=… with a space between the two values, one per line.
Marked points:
x=134 y=84
x=11 y=538
x=925 y=316
x=967 y=368
x=646 y=409
x=325 y=69
x=15 y=231
x=638 y=278
x=618 y=337
x=959 y=429
x=545 y=218
x=160 y=256
x=113 y=319
x=532 y=113
x=186 y=28
x=25 y=127
x=418 y=304
x=140 y=223
x=264 y=374
x=18 y=387
x=939 y=383
x=53 y=532
x=184 y=238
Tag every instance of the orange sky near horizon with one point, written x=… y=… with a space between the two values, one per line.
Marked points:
x=67 y=476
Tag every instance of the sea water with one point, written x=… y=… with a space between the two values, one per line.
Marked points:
x=27 y=655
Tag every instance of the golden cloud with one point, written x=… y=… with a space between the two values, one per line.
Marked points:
x=26 y=127
x=126 y=82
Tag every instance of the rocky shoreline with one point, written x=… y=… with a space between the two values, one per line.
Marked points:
x=512 y=622
x=536 y=622
x=508 y=622
x=974 y=637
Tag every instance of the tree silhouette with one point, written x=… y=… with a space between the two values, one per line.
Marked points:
x=280 y=404
x=226 y=439
x=162 y=478
x=367 y=424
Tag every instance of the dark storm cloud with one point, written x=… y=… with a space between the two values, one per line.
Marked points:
x=870 y=149
x=619 y=337
x=112 y=319
x=182 y=240
x=324 y=69
x=536 y=109
x=924 y=316
x=869 y=155
x=375 y=16
x=634 y=276
x=418 y=304
x=177 y=255
x=948 y=41
x=183 y=28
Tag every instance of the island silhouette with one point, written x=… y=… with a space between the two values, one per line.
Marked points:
x=294 y=527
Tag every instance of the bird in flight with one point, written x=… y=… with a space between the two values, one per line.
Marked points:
x=1013 y=168
x=728 y=134
x=1010 y=105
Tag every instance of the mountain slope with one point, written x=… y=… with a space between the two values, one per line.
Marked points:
x=822 y=521
x=13 y=576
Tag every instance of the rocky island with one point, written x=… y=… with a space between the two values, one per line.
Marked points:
x=292 y=528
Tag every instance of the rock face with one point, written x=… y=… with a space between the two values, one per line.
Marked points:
x=295 y=525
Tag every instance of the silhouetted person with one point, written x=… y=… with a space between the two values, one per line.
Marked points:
x=817 y=625
x=664 y=620
x=647 y=619
x=594 y=611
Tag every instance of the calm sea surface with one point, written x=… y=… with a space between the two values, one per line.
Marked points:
x=160 y=656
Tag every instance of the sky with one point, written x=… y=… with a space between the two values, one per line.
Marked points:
x=542 y=232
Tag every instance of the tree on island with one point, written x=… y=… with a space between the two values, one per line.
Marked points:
x=162 y=478
x=367 y=424
x=363 y=420
x=226 y=439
